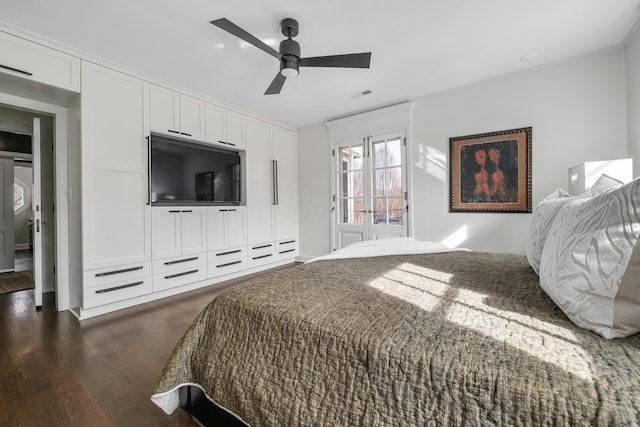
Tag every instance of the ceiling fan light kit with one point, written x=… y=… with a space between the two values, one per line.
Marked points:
x=289 y=53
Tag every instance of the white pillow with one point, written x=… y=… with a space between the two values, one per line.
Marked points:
x=543 y=216
x=602 y=184
x=590 y=264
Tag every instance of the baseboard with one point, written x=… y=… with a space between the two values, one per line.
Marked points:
x=304 y=258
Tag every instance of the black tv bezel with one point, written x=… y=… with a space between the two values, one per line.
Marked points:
x=193 y=144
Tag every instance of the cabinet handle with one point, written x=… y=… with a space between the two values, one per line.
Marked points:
x=173 y=276
x=26 y=73
x=229 y=253
x=149 y=170
x=262 y=247
x=232 y=210
x=287 y=242
x=223 y=142
x=231 y=143
x=186 y=134
x=262 y=256
x=117 y=288
x=125 y=270
x=228 y=264
x=181 y=260
x=274 y=174
x=188 y=211
x=174 y=211
x=288 y=250
x=173 y=131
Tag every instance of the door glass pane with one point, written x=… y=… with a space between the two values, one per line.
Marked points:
x=379 y=154
x=395 y=210
x=380 y=210
x=379 y=183
x=357 y=184
x=351 y=158
x=394 y=152
x=351 y=211
x=394 y=181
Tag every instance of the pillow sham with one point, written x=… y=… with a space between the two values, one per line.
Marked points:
x=590 y=264
x=543 y=216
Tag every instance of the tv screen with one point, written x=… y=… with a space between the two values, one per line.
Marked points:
x=184 y=173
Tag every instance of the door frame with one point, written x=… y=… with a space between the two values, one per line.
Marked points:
x=62 y=192
x=368 y=229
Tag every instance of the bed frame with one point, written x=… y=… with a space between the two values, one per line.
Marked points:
x=205 y=412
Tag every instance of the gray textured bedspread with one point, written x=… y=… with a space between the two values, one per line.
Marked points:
x=460 y=338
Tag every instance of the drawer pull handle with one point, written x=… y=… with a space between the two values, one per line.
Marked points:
x=188 y=211
x=287 y=242
x=173 y=276
x=26 y=73
x=184 y=133
x=288 y=250
x=181 y=260
x=174 y=211
x=173 y=131
x=117 y=288
x=229 y=253
x=262 y=256
x=228 y=264
x=222 y=142
x=262 y=247
x=125 y=270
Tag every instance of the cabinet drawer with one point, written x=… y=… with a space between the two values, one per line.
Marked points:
x=116 y=291
x=34 y=62
x=179 y=263
x=225 y=255
x=220 y=267
x=105 y=276
x=261 y=254
x=179 y=277
x=287 y=248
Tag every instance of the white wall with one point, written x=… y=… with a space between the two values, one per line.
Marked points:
x=577 y=109
x=314 y=190
x=632 y=56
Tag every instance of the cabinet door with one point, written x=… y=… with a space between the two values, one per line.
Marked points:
x=38 y=63
x=166 y=233
x=236 y=227
x=164 y=110
x=216 y=236
x=259 y=213
x=116 y=226
x=191 y=117
x=258 y=156
x=285 y=210
x=194 y=230
x=235 y=129
x=215 y=130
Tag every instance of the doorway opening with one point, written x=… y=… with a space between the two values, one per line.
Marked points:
x=27 y=227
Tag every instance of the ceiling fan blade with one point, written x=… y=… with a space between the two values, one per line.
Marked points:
x=352 y=60
x=232 y=28
x=276 y=85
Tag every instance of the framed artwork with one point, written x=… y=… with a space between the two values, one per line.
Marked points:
x=491 y=172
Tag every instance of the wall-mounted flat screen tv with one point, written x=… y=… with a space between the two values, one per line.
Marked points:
x=185 y=173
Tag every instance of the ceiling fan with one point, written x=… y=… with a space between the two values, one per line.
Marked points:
x=289 y=53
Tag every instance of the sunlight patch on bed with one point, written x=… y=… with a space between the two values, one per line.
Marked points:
x=549 y=343
x=420 y=286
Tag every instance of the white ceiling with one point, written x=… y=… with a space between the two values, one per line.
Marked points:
x=418 y=46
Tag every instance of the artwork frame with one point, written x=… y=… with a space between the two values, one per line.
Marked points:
x=491 y=172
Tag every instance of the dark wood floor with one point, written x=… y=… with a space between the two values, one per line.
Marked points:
x=55 y=370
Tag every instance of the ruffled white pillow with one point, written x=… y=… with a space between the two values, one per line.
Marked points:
x=590 y=264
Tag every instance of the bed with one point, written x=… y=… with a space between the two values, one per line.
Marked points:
x=417 y=335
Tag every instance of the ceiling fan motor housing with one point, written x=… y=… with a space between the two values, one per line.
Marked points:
x=290 y=51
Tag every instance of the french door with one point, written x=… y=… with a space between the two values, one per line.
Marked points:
x=370 y=196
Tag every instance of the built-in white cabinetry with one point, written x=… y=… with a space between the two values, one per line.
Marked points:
x=223 y=127
x=174 y=113
x=179 y=246
x=271 y=192
x=37 y=63
x=116 y=222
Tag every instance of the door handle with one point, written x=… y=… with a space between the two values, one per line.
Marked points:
x=37 y=225
x=45 y=222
